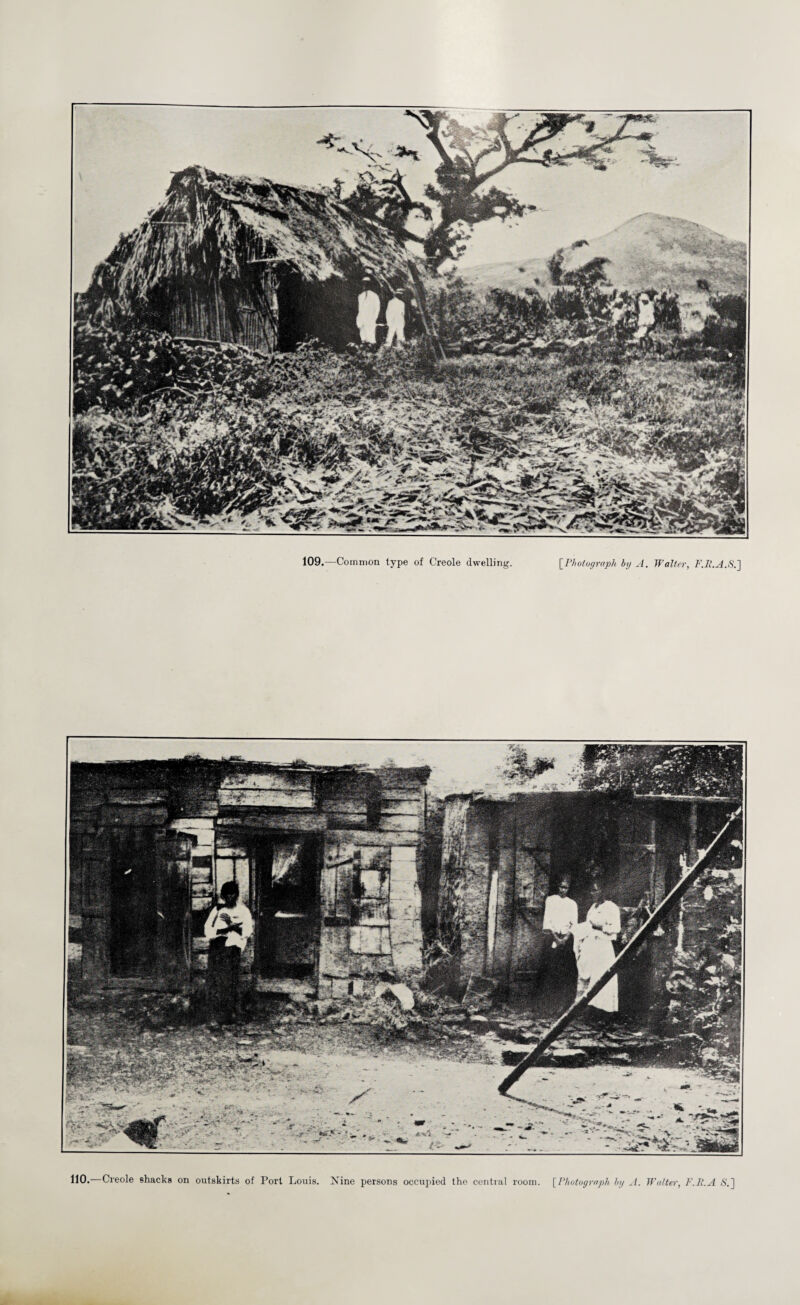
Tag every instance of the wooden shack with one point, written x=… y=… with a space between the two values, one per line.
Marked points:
x=327 y=859
x=244 y=260
x=502 y=856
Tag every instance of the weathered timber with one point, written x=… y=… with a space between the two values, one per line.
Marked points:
x=649 y=926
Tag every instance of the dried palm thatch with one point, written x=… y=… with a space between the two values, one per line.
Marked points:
x=223 y=244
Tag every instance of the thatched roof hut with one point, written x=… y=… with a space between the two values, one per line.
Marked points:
x=245 y=260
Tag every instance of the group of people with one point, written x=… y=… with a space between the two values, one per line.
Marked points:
x=635 y=316
x=369 y=311
x=577 y=954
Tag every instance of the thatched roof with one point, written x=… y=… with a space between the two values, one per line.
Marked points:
x=212 y=226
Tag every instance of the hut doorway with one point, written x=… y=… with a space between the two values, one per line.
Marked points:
x=323 y=310
x=286 y=875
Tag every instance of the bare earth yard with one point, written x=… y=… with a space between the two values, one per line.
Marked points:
x=287 y=1087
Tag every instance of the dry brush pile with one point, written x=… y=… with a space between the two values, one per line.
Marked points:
x=172 y=435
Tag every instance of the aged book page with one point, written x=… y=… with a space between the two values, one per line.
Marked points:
x=463 y=694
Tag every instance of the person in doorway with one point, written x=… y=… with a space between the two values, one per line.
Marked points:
x=396 y=318
x=594 y=950
x=228 y=928
x=369 y=308
x=559 y=973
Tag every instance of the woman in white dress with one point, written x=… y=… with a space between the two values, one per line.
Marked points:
x=594 y=949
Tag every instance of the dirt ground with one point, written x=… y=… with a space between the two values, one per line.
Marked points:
x=283 y=1086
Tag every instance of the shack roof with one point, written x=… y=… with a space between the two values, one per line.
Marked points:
x=212 y=225
x=238 y=765
x=517 y=795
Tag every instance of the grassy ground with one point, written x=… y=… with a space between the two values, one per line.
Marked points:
x=601 y=440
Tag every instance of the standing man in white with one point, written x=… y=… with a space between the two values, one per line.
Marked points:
x=369 y=307
x=396 y=318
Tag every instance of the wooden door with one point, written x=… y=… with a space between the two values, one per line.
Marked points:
x=342 y=862
x=174 y=910
x=134 y=901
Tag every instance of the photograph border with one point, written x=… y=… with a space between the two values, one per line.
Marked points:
x=392 y=1156
x=306 y=535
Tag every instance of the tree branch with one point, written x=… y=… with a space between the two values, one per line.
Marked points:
x=432 y=123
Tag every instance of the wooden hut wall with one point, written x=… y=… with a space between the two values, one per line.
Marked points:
x=227 y=314
x=481 y=825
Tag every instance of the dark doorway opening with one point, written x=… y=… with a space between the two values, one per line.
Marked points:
x=133 y=950
x=286 y=895
x=324 y=311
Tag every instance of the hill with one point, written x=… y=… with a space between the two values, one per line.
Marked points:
x=649 y=251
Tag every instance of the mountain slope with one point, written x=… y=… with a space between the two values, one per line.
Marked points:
x=649 y=251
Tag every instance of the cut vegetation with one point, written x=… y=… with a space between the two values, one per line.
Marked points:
x=173 y=435
x=218 y=384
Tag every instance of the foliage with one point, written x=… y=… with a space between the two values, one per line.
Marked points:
x=729 y=329
x=519 y=767
x=461 y=313
x=684 y=769
x=705 y=983
x=566 y=301
x=114 y=368
x=528 y=311
x=469 y=152
x=220 y=438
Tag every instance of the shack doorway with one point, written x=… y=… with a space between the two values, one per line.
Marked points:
x=286 y=876
x=133 y=915
x=145 y=912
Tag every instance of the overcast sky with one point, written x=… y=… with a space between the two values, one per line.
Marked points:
x=124 y=157
x=455 y=766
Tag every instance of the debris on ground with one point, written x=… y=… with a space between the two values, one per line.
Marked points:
x=400 y=1012
x=440 y=1088
x=399 y=992
x=579 y=437
x=481 y=994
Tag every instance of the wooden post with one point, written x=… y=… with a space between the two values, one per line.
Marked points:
x=650 y=924
x=436 y=343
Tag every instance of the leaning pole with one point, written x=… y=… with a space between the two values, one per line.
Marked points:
x=650 y=924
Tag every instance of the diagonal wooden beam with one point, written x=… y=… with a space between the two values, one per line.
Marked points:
x=649 y=926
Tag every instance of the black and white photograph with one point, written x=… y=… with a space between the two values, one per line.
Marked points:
x=403 y=320
x=388 y=946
